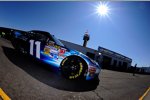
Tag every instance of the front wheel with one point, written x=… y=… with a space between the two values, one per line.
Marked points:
x=73 y=67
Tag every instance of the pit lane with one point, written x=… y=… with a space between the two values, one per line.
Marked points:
x=22 y=78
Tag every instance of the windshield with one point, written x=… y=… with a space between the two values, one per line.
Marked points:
x=42 y=35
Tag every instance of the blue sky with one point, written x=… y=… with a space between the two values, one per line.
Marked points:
x=126 y=30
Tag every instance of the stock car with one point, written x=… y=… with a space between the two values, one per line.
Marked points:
x=47 y=48
x=7 y=33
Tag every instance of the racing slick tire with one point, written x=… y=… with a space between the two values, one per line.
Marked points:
x=73 y=67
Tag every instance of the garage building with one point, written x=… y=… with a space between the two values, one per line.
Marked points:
x=108 y=59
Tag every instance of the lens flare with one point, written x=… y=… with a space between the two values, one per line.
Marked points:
x=102 y=9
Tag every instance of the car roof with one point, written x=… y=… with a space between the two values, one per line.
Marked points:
x=39 y=31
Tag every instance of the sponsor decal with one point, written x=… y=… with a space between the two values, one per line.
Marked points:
x=62 y=52
x=54 y=51
x=64 y=61
x=51 y=51
x=57 y=47
x=17 y=34
x=46 y=50
x=3 y=33
x=92 y=70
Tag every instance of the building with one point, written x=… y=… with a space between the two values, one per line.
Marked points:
x=108 y=59
x=114 y=60
x=146 y=69
x=85 y=50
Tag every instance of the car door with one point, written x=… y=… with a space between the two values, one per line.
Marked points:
x=36 y=45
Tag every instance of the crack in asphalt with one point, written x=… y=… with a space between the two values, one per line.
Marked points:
x=131 y=78
x=105 y=88
x=109 y=90
x=99 y=97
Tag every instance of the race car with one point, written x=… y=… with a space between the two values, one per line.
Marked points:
x=7 y=33
x=47 y=48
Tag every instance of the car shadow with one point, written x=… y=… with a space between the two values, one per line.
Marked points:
x=44 y=73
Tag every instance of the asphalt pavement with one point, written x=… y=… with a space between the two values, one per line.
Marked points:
x=23 y=78
x=147 y=97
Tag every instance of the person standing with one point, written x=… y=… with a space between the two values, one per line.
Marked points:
x=134 y=69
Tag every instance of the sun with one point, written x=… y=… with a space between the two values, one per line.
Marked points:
x=102 y=9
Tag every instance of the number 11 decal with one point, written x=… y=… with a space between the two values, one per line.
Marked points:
x=37 y=43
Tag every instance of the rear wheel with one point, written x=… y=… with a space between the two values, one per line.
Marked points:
x=73 y=67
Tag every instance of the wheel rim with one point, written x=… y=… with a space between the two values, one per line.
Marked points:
x=72 y=68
